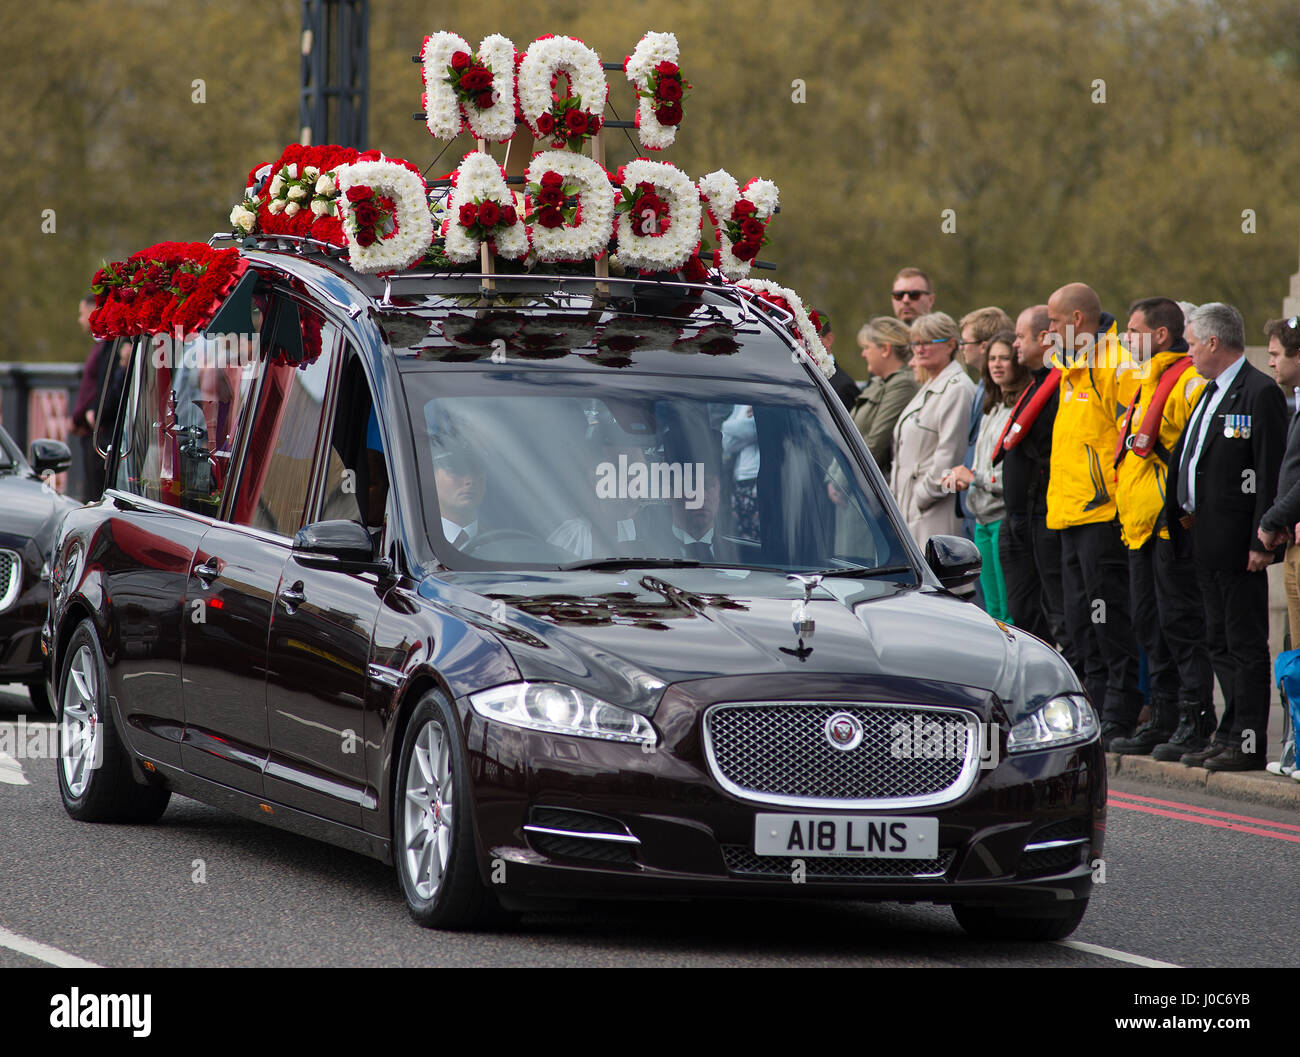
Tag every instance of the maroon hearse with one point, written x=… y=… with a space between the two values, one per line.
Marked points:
x=552 y=587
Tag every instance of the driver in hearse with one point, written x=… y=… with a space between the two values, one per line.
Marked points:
x=460 y=474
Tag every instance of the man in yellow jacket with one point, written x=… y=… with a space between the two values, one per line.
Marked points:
x=1166 y=602
x=1081 y=506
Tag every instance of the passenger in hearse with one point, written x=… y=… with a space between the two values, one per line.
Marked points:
x=612 y=524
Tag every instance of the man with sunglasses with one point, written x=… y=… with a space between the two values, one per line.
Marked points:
x=913 y=295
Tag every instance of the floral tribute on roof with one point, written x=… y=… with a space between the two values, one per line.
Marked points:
x=647 y=218
x=740 y=218
x=800 y=325
x=660 y=87
x=325 y=193
x=569 y=120
x=169 y=286
x=463 y=90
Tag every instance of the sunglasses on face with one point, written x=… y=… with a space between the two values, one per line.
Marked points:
x=918 y=345
x=912 y=295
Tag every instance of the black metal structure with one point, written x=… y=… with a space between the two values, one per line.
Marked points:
x=334 y=97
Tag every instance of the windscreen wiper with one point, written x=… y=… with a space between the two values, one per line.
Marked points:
x=862 y=571
x=632 y=563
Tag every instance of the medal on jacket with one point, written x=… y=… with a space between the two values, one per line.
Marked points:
x=1236 y=427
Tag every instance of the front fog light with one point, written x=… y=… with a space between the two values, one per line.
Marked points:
x=1062 y=721
x=558 y=709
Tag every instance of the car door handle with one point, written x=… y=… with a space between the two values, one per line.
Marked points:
x=208 y=571
x=292 y=597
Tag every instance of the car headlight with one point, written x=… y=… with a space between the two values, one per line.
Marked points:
x=1065 y=720
x=558 y=709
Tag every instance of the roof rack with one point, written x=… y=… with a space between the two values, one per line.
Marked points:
x=740 y=298
x=263 y=241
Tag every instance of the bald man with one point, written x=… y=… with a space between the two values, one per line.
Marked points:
x=1081 y=505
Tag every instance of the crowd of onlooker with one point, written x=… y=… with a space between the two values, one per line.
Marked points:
x=1127 y=482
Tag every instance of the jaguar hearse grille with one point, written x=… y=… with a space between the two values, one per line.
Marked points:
x=741 y=861
x=835 y=754
x=11 y=578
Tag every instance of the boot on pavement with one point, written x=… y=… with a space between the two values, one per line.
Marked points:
x=1195 y=724
x=1158 y=730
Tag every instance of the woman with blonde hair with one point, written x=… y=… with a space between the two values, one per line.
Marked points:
x=930 y=435
x=885 y=346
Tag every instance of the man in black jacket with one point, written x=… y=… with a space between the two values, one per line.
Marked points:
x=1278 y=524
x=1030 y=552
x=1227 y=468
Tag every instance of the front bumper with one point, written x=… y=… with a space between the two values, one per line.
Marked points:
x=577 y=818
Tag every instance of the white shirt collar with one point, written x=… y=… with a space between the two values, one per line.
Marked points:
x=686 y=537
x=451 y=530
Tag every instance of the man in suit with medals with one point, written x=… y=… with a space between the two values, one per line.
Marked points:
x=1227 y=462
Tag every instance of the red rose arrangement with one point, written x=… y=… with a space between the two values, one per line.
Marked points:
x=566 y=124
x=373 y=216
x=471 y=80
x=666 y=89
x=648 y=211
x=171 y=284
x=549 y=201
x=747 y=233
x=484 y=218
x=297 y=173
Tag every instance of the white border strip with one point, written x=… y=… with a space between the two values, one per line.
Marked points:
x=1119 y=956
x=42 y=952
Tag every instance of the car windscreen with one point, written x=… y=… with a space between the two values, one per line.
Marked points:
x=560 y=468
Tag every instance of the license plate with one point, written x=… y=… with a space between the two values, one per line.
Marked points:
x=847 y=836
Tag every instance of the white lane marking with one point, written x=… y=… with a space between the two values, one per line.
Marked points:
x=43 y=952
x=1119 y=956
x=11 y=771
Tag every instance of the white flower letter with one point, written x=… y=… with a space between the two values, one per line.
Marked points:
x=589 y=238
x=722 y=193
x=547 y=57
x=670 y=250
x=650 y=51
x=480 y=178
x=401 y=248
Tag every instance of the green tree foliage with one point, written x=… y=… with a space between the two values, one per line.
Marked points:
x=992 y=109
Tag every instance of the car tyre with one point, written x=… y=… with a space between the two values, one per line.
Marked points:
x=433 y=827
x=995 y=923
x=95 y=775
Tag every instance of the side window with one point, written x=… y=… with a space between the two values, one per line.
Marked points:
x=355 y=485
x=280 y=456
x=178 y=435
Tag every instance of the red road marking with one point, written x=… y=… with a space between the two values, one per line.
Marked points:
x=1203 y=810
x=1294 y=838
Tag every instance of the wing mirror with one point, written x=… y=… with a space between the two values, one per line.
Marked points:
x=954 y=559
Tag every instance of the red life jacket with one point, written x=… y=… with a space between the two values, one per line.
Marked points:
x=1025 y=413
x=1148 y=433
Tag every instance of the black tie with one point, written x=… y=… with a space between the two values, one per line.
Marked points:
x=1191 y=452
x=460 y=541
x=701 y=552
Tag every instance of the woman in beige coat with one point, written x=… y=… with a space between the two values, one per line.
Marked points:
x=931 y=434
